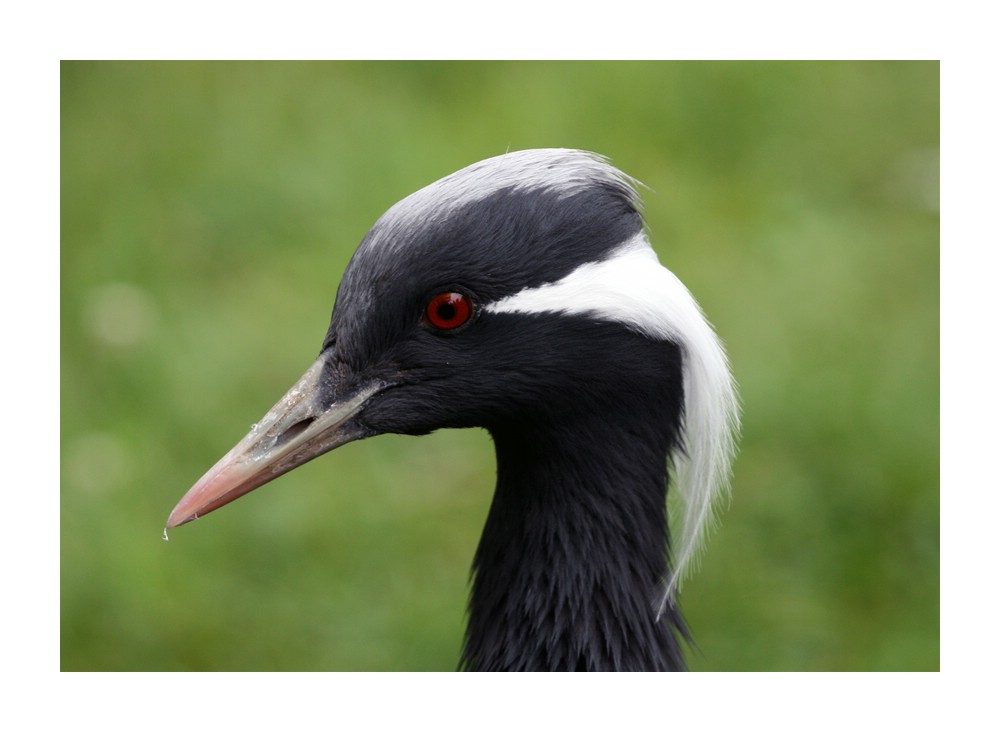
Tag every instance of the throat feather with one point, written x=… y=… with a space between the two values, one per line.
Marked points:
x=573 y=556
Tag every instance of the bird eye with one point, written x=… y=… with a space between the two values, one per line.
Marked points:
x=448 y=310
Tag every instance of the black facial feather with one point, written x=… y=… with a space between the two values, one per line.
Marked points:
x=511 y=240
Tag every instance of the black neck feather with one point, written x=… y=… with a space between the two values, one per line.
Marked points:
x=571 y=563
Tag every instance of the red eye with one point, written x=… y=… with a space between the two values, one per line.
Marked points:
x=448 y=310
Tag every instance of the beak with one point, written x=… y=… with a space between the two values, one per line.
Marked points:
x=297 y=429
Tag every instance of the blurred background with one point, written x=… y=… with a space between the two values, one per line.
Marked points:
x=208 y=211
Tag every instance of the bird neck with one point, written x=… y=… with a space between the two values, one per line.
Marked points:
x=574 y=551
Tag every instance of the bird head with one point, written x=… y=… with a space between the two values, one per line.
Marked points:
x=497 y=297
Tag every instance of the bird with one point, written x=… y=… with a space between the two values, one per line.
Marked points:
x=521 y=295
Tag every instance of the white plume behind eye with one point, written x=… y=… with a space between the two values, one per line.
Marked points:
x=632 y=288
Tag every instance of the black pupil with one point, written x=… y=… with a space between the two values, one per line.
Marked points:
x=446 y=311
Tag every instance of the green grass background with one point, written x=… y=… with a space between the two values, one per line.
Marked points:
x=208 y=211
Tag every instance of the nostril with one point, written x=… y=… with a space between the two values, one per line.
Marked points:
x=294 y=431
